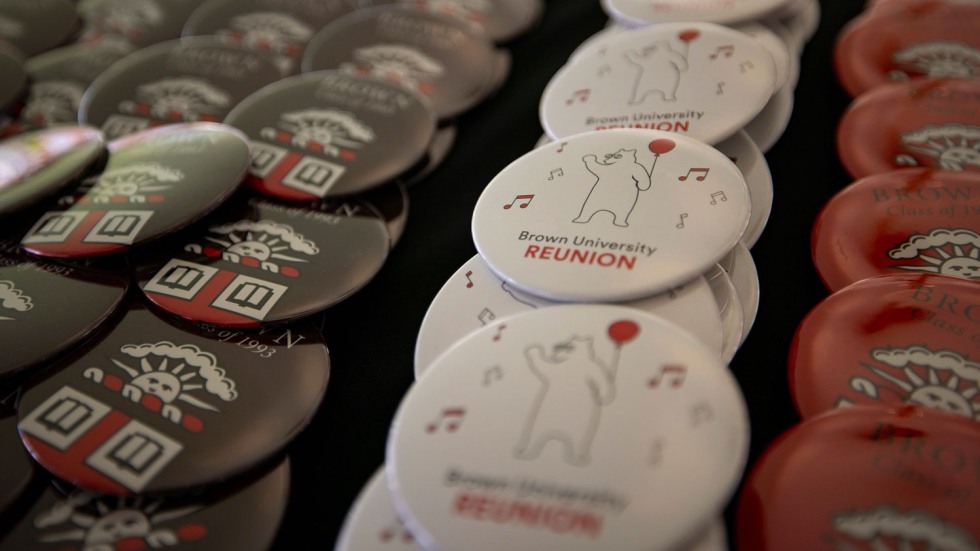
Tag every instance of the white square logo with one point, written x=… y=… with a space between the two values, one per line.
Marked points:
x=314 y=176
x=64 y=417
x=250 y=297
x=119 y=226
x=55 y=227
x=134 y=455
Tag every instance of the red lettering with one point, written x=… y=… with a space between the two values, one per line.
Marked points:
x=532 y=251
x=546 y=253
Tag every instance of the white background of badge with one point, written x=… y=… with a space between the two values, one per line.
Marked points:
x=730 y=307
x=454 y=312
x=741 y=268
x=698 y=473
x=710 y=230
x=636 y=11
x=744 y=93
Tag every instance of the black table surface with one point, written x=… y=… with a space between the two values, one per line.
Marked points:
x=372 y=335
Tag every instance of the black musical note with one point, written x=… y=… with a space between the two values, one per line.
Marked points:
x=745 y=66
x=721 y=88
x=703 y=171
x=486 y=316
x=716 y=195
x=520 y=198
x=495 y=373
x=680 y=225
x=556 y=172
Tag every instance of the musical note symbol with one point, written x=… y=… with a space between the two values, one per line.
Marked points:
x=500 y=331
x=657 y=452
x=721 y=88
x=745 y=66
x=677 y=374
x=451 y=417
x=486 y=316
x=469 y=282
x=495 y=373
x=562 y=148
x=703 y=171
x=604 y=69
x=390 y=533
x=727 y=50
x=716 y=195
x=520 y=198
x=556 y=172
x=581 y=95
x=680 y=226
x=701 y=413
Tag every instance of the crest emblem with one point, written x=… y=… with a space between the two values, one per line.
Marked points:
x=950 y=146
x=884 y=528
x=178 y=100
x=941 y=251
x=937 y=59
x=397 y=63
x=12 y=300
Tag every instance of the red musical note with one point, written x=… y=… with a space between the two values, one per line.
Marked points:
x=580 y=95
x=469 y=282
x=727 y=50
x=703 y=171
x=677 y=375
x=519 y=198
x=562 y=148
x=390 y=533
x=452 y=417
x=745 y=66
x=500 y=331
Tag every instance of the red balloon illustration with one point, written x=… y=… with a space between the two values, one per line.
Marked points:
x=659 y=147
x=689 y=35
x=623 y=331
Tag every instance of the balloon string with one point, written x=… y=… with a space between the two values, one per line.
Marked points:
x=615 y=365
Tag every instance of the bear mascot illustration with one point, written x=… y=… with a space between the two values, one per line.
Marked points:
x=619 y=181
x=658 y=70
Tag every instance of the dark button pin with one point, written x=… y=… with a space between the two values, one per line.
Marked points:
x=261 y=262
x=244 y=516
x=140 y=23
x=17 y=469
x=35 y=26
x=155 y=183
x=391 y=201
x=327 y=133
x=154 y=408
x=501 y=20
x=195 y=79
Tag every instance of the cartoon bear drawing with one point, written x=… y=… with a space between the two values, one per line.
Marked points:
x=575 y=385
x=619 y=181
x=658 y=70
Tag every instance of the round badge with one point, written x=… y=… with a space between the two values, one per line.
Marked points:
x=697 y=79
x=46 y=308
x=922 y=123
x=642 y=12
x=259 y=262
x=17 y=468
x=60 y=77
x=500 y=20
x=153 y=408
x=391 y=201
x=938 y=41
x=866 y=479
x=768 y=126
x=36 y=26
x=801 y=17
x=730 y=308
x=245 y=517
x=281 y=28
x=474 y=297
x=188 y=80
x=36 y=165
x=156 y=182
x=14 y=77
x=372 y=523
x=910 y=220
x=751 y=162
x=742 y=271
x=438 y=56
x=439 y=148
x=540 y=413
x=897 y=339
x=140 y=23
x=327 y=133
x=657 y=210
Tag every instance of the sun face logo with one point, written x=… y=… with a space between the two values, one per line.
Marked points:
x=257 y=244
x=938 y=59
x=397 y=63
x=115 y=523
x=128 y=18
x=169 y=374
x=941 y=379
x=177 y=100
x=13 y=299
x=269 y=31
x=884 y=528
x=333 y=132
x=136 y=183
x=53 y=101
x=941 y=251
x=951 y=146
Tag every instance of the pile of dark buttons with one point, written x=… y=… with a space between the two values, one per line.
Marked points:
x=185 y=186
x=884 y=372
